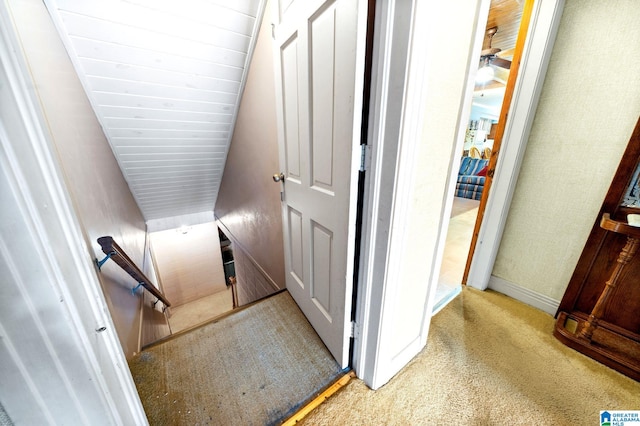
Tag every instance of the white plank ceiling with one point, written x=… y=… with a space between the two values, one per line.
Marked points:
x=165 y=79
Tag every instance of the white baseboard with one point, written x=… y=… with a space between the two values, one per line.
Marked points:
x=530 y=297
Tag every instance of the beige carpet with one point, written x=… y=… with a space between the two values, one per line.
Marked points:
x=489 y=361
x=253 y=367
x=201 y=310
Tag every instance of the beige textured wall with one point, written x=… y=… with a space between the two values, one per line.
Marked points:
x=588 y=107
x=249 y=201
x=101 y=197
x=189 y=265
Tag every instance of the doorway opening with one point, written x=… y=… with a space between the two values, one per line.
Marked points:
x=477 y=161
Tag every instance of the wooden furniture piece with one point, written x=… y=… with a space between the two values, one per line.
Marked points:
x=474 y=152
x=600 y=312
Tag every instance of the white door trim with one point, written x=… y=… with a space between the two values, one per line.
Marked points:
x=389 y=65
x=64 y=252
x=383 y=221
x=543 y=28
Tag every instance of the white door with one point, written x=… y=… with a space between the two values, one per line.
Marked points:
x=319 y=104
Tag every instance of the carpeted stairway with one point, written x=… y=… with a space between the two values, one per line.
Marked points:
x=253 y=367
x=490 y=360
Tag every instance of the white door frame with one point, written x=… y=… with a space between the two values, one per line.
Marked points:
x=545 y=19
x=67 y=268
x=388 y=141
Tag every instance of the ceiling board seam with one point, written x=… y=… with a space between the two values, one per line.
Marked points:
x=168 y=139
x=188 y=18
x=193 y=154
x=225 y=5
x=158 y=167
x=223 y=127
x=161 y=195
x=110 y=117
x=161 y=52
x=175 y=146
x=152 y=97
x=221 y=6
x=209 y=178
x=176 y=202
x=64 y=36
x=154 y=31
x=164 y=70
x=189 y=198
x=175 y=188
x=153 y=84
x=176 y=182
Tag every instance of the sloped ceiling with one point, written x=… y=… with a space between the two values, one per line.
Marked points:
x=165 y=79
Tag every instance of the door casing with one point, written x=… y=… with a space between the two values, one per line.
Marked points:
x=375 y=284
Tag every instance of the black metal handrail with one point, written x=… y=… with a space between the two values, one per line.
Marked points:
x=113 y=251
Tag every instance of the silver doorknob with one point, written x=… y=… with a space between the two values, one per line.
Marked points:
x=278 y=177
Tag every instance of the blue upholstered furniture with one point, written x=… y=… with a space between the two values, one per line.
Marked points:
x=469 y=184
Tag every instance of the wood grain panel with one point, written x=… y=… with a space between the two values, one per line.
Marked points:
x=144 y=113
x=164 y=79
x=171 y=149
x=169 y=133
x=162 y=143
x=158 y=96
x=140 y=176
x=506 y=15
x=145 y=123
x=130 y=72
x=107 y=51
x=117 y=33
x=161 y=23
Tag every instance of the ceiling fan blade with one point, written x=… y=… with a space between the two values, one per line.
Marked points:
x=508 y=53
x=491 y=51
x=502 y=63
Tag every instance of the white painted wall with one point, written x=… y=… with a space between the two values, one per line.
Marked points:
x=589 y=105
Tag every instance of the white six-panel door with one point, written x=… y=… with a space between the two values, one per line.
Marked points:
x=316 y=61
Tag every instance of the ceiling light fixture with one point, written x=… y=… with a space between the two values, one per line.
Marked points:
x=485 y=73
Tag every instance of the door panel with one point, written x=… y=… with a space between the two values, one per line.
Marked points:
x=289 y=58
x=316 y=56
x=321 y=267
x=294 y=223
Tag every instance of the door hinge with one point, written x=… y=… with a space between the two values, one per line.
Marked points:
x=354 y=331
x=363 y=157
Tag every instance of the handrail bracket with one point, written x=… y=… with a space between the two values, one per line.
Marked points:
x=101 y=262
